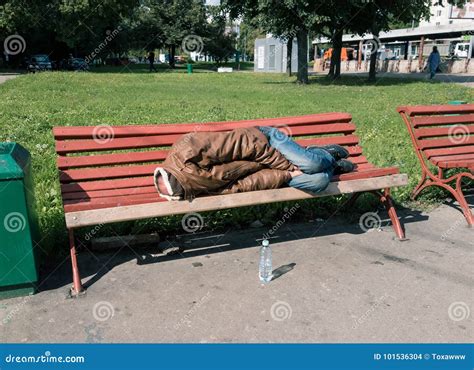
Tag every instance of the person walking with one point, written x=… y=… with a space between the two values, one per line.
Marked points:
x=434 y=61
x=151 y=60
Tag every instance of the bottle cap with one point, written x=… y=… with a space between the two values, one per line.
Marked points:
x=265 y=243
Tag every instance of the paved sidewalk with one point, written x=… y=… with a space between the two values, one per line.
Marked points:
x=337 y=284
x=459 y=78
x=7 y=76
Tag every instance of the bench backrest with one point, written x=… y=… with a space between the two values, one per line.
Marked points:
x=112 y=166
x=440 y=130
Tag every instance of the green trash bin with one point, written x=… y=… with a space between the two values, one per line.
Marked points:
x=18 y=224
x=190 y=68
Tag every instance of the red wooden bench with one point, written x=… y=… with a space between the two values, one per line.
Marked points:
x=442 y=136
x=99 y=188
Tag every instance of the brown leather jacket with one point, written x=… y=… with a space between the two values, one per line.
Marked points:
x=226 y=162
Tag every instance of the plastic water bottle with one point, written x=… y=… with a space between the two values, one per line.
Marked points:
x=265 y=266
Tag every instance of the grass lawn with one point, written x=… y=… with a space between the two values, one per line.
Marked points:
x=32 y=104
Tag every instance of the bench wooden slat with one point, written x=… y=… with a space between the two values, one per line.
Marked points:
x=129 y=195
x=65 y=162
x=202 y=204
x=106 y=202
x=107 y=184
x=81 y=193
x=468 y=149
x=123 y=171
x=440 y=143
x=106 y=173
x=366 y=173
x=85 y=132
x=109 y=159
x=455 y=157
x=465 y=162
x=421 y=133
x=109 y=193
x=76 y=146
x=442 y=120
x=421 y=110
x=456 y=164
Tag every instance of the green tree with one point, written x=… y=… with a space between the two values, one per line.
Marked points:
x=285 y=19
x=219 y=41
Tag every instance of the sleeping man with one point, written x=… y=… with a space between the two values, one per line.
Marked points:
x=245 y=159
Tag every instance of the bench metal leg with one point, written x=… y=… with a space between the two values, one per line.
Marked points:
x=456 y=191
x=462 y=201
x=386 y=200
x=77 y=288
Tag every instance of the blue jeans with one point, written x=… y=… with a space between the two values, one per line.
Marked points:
x=316 y=164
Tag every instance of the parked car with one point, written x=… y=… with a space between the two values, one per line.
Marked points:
x=39 y=63
x=77 y=64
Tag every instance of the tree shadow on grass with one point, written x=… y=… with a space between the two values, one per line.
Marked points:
x=354 y=80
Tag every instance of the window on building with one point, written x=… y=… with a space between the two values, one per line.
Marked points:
x=271 y=57
x=439 y=13
x=438 y=23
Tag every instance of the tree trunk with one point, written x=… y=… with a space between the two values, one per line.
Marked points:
x=289 y=53
x=373 y=61
x=302 y=37
x=172 y=55
x=335 y=69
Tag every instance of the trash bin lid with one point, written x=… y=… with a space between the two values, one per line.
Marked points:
x=13 y=159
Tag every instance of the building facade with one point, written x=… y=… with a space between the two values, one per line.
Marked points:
x=270 y=55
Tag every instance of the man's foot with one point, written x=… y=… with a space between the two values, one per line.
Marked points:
x=343 y=166
x=338 y=152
